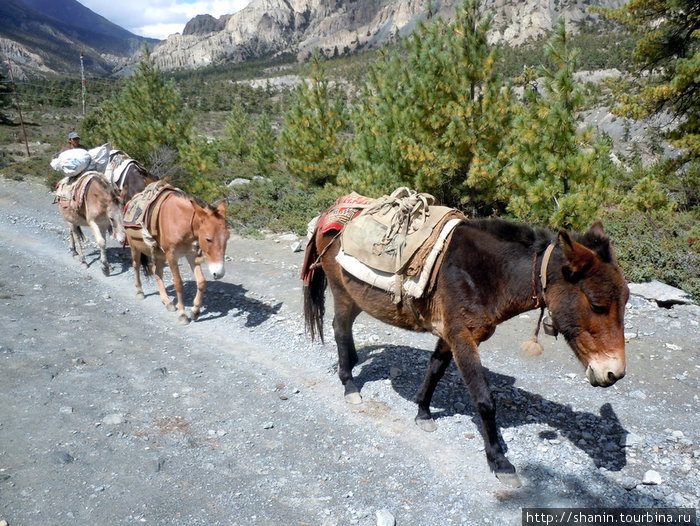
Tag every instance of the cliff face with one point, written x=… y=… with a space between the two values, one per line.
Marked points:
x=266 y=27
x=205 y=24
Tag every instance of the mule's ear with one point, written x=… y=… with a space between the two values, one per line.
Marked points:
x=597 y=229
x=578 y=257
x=598 y=241
x=221 y=209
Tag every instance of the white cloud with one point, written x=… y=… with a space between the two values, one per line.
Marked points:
x=160 y=18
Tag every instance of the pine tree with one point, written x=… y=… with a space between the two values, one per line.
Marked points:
x=312 y=145
x=263 y=150
x=237 y=132
x=432 y=115
x=556 y=174
x=667 y=54
x=146 y=116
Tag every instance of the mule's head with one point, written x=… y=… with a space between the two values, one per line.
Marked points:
x=212 y=236
x=115 y=214
x=587 y=300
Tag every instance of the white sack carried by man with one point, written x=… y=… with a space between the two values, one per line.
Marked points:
x=72 y=162
x=76 y=160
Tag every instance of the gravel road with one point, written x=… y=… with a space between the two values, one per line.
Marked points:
x=112 y=414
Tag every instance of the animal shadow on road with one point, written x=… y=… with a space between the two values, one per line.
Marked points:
x=221 y=298
x=601 y=436
x=118 y=258
x=593 y=490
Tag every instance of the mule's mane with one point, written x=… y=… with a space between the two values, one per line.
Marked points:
x=202 y=203
x=534 y=238
x=108 y=188
x=537 y=238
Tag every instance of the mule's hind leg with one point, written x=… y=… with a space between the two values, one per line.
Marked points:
x=136 y=263
x=158 y=267
x=76 y=248
x=439 y=361
x=466 y=355
x=345 y=313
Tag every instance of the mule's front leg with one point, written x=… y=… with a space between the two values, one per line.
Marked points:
x=439 y=361
x=102 y=244
x=345 y=313
x=201 y=286
x=466 y=356
x=182 y=318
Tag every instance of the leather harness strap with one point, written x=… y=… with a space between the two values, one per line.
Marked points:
x=543 y=269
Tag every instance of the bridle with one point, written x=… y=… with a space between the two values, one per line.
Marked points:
x=541 y=303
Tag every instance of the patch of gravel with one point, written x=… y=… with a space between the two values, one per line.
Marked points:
x=110 y=413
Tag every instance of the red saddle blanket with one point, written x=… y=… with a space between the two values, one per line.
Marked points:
x=344 y=209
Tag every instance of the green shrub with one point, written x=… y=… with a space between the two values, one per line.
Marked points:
x=278 y=204
x=664 y=246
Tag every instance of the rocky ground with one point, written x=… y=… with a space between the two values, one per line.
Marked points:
x=112 y=414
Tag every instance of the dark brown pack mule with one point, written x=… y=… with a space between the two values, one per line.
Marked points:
x=127 y=175
x=492 y=270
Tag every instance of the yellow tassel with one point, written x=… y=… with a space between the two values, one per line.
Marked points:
x=532 y=347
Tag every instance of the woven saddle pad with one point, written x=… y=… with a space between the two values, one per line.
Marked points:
x=396 y=233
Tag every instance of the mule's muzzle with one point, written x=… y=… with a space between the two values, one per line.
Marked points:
x=217 y=270
x=604 y=377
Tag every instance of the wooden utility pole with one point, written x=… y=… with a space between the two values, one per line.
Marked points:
x=19 y=110
x=82 y=78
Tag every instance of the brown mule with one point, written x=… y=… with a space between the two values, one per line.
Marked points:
x=91 y=201
x=490 y=272
x=185 y=228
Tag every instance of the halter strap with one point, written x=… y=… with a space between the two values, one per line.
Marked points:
x=545 y=264
x=543 y=274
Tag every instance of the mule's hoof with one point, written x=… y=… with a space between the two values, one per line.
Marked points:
x=106 y=270
x=76 y=256
x=140 y=295
x=183 y=319
x=83 y=265
x=426 y=424
x=509 y=479
x=170 y=307
x=353 y=398
x=194 y=315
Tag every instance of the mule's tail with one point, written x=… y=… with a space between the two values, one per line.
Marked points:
x=314 y=291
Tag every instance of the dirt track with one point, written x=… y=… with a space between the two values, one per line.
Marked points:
x=112 y=414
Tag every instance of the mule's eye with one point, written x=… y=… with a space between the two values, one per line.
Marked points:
x=600 y=309
x=209 y=239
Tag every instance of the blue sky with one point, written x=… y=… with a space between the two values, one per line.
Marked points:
x=160 y=18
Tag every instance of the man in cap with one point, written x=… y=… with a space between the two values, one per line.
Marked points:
x=73 y=142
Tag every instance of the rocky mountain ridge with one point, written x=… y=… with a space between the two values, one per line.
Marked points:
x=48 y=36
x=336 y=27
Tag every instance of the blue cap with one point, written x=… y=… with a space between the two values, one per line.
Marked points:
x=73 y=135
